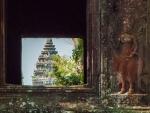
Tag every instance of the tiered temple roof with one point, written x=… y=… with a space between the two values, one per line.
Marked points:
x=44 y=65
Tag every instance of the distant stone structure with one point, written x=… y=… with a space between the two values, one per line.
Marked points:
x=44 y=65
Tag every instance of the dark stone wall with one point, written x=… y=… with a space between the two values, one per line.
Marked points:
x=2 y=69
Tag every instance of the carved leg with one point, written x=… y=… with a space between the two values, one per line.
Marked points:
x=132 y=69
x=122 y=75
x=122 y=80
x=131 y=82
x=123 y=90
x=131 y=89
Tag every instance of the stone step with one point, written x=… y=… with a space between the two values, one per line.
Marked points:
x=131 y=99
x=139 y=109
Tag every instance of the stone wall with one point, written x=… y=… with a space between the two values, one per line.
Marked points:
x=103 y=25
x=120 y=16
x=2 y=69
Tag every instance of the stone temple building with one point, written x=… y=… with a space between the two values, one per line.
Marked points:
x=100 y=23
x=44 y=65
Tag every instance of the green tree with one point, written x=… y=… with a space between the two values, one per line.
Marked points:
x=78 y=52
x=69 y=71
x=65 y=71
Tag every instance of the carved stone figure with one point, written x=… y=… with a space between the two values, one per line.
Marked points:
x=127 y=64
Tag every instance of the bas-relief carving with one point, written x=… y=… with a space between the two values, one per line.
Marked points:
x=127 y=63
x=131 y=62
x=124 y=33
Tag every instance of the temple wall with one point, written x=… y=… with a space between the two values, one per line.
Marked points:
x=106 y=27
x=126 y=16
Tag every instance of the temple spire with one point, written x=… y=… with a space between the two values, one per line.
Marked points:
x=44 y=65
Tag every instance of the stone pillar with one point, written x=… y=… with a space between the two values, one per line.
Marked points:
x=146 y=77
x=2 y=59
x=93 y=43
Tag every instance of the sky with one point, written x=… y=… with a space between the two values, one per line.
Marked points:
x=31 y=49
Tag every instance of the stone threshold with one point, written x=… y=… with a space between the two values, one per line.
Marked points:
x=33 y=89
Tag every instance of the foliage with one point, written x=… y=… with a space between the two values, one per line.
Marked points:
x=66 y=71
x=78 y=52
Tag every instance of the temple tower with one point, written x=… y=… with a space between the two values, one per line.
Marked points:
x=44 y=65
